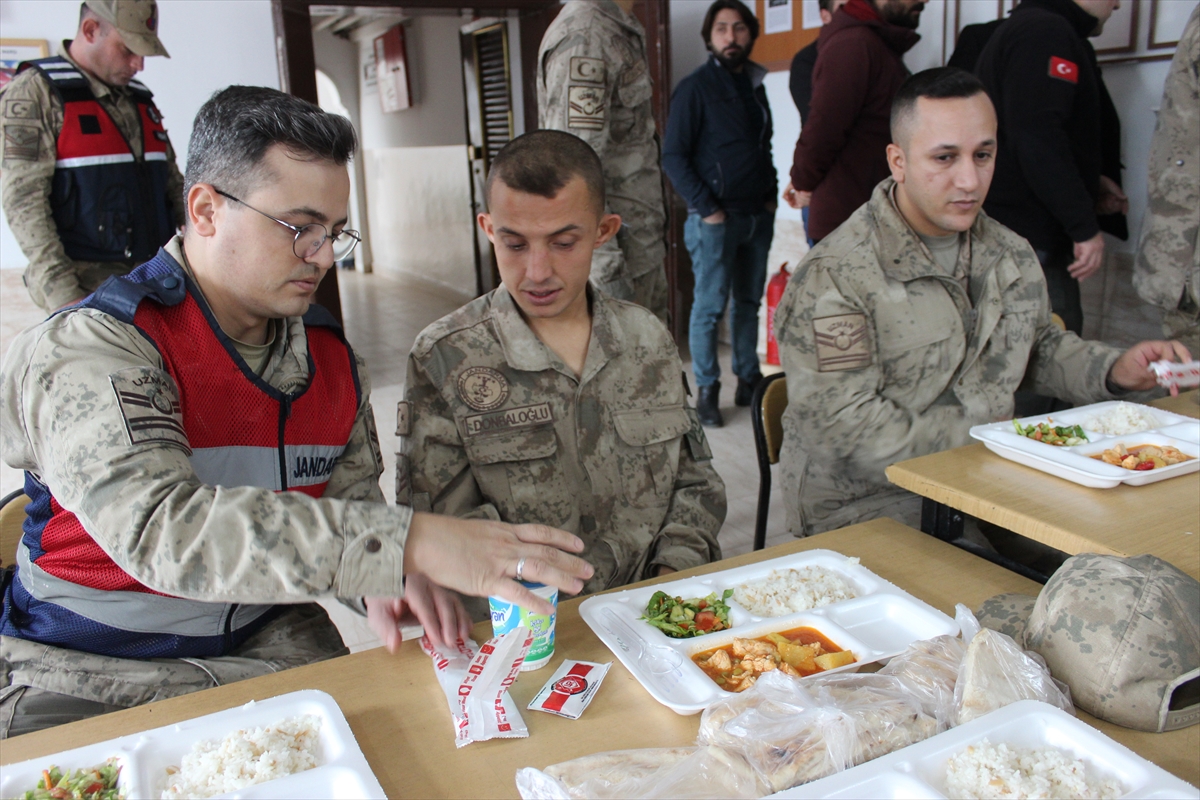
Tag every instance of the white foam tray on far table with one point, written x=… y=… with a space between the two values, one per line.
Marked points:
x=1075 y=463
x=919 y=770
x=879 y=623
x=341 y=772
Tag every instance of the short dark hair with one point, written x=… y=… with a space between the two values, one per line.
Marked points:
x=720 y=5
x=939 y=83
x=236 y=127
x=543 y=162
x=825 y=5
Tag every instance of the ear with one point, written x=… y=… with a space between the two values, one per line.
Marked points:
x=202 y=206
x=89 y=29
x=485 y=225
x=896 y=162
x=609 y=225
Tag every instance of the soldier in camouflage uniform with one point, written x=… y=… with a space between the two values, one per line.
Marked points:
x=902 y=329
x=593 y=81
x=507 y=420
x=113 y=38
x=1167 y=271
x=158 y=557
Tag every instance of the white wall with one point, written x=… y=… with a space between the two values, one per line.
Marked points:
x=213 y=44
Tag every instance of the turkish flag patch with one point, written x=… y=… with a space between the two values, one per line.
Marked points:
x=1064 y=70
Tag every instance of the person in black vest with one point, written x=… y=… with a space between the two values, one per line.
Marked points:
x=1058 y=167
x=90 y=183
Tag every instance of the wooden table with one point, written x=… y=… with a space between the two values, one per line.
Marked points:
x=1161 y=518
x=399 y=714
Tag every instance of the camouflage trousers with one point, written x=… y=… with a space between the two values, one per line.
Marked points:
x=45 y=686
x=1183 y=323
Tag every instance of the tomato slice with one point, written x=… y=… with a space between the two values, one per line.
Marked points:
x=705 y=620
x=1145 y=465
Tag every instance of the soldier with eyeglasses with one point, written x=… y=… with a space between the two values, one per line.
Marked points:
x=200 y=452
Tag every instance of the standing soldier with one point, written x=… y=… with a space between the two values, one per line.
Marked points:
x=1167 y=272
x=593 y=81
x=90 y=183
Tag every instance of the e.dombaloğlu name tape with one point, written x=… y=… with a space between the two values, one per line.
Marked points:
x=570 y=689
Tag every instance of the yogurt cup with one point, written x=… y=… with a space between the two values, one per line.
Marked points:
x=506 y=616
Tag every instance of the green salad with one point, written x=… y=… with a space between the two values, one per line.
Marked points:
x=682 y=619
x=96 y=783
x=1060 y=436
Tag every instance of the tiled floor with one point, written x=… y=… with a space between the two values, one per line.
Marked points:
x=385 y=312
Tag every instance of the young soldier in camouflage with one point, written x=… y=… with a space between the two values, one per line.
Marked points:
x=1167 y=272
x=548 y=401
x=159 y=423
x=593 y=81
x=919 y=317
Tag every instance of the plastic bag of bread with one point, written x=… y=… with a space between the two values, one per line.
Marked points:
x=792 y=731
x=995 y=671
x=928 y=669
x=681 y=772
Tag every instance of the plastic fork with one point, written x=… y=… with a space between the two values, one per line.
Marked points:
x=657 y=658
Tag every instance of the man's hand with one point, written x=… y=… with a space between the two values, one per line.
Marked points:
x=437 y=610
x=1111 y=200
x=796 y=199
x=1132 y=370
x=480 y=558
x=715 y=218
x=1089 y=256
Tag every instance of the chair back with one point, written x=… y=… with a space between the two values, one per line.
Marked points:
x=766 y=416
x=12 y=520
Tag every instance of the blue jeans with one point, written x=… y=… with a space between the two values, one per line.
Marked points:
x=729 y=256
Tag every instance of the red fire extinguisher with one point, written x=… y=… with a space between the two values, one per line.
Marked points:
x=774 y=294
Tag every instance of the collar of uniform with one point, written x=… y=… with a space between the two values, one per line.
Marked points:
x=523 y=350
x=99 y=88
x=610 y=9
x=1083 y=22
x=906 y=256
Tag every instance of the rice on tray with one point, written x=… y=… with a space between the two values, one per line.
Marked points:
x=246 y=757
x=788 y=591
x=986 y=771
x=1121 y=419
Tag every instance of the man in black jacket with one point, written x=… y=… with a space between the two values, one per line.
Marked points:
x=717 y=153
x=1058 y=167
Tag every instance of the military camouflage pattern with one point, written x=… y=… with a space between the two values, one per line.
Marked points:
x=1122 y=633
x=1008 y=614
x=593 y=81
x=502 y=429
x=1167 y=271
x=889 y=358
x=31 y=117
x=61 y=420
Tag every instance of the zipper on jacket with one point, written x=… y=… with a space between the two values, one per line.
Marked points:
x=229 y=628
x=285 y=412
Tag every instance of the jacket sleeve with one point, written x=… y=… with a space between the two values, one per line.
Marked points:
x=688 y=537
x=142 y=501
x=840 y=83
x=772 y=192
x=800 y=83
x=682 y=139
x=30 y=124
x=1063 y=365
x=1035 y=109
x=845 y=415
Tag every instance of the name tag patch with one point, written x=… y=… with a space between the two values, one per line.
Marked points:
x=842 y=342
x=509 y=419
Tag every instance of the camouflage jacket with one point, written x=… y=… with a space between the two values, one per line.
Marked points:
x=888 y=358
x=593 y=81
x=31 y=119
x=1169 y=257
x=501 y=428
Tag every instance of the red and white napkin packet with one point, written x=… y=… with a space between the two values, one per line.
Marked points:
x=476 y=680
x=1171 y=373
x=570 y=688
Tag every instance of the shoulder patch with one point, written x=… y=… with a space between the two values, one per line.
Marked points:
x=586 y=108
x=403 y=418
x=842 y=342
x=482 y=388
x=1064 y=70
x=21 y=143
x=149 y=403
x=21 y=109
x=587 y=70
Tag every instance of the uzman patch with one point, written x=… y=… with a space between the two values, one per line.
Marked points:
x=586 y=108
x=149 y=403
x=842 y=342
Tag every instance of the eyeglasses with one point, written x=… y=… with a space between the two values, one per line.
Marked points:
x=310 y=238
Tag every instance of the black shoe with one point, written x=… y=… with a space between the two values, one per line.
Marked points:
x=745 y=391
x=708 y=405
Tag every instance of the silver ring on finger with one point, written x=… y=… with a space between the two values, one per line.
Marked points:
x=521 y=569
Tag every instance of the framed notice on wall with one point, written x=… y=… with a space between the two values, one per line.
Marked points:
x=391 y=69
x=1120 y=32
x=14 y=51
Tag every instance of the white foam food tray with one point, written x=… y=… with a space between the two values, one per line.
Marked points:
x=877 y=624
x=1075 y=463
x=341 y=772
x=919 y=770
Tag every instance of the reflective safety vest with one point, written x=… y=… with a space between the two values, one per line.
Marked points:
x=67 y=591
x=108 y=204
